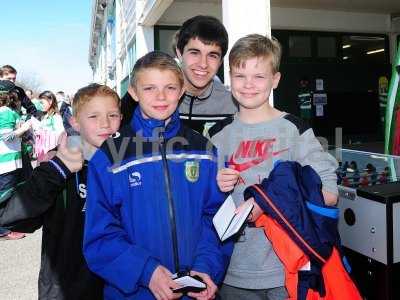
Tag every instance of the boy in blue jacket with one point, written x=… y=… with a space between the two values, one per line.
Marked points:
x=152 y=196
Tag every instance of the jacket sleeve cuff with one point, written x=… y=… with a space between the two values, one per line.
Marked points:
x=250 y=192
x=203 y=268
x=148 y=271
x=61 y=168
x=330 y=187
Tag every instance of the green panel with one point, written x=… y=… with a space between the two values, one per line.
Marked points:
x=393 y=100
x=124 y=86
x=132 y=55
x=111 y=12
x=129 y=60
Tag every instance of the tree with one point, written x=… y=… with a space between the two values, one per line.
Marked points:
x=29 y=80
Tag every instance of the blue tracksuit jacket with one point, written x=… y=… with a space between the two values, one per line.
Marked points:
x=129 y=226
x=292 y=196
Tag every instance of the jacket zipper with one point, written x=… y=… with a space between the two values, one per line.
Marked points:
x=171 y=207
x=191 y=106
x=291 y=228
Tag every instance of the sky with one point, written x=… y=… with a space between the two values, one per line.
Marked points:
x=47 y=41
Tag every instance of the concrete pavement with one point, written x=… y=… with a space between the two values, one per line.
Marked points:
x=19 y=267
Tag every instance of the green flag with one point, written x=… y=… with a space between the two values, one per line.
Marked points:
x=392 y=101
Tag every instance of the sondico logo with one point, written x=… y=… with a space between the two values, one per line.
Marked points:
x=82 y=194
x=116 y=135
x=82 y=190
x=135 y=179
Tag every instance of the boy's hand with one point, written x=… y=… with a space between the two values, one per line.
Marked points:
x=256 y=212
x=330 y=199
x=161 y=284
x=209 y=292
x=71 y=157
x=227 y=179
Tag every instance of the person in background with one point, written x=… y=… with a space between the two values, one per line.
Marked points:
x=27 y=138
x=10 y=145
x=48 y=131
x=304 y=99
x=66 y=113
x=8 y=72
x=60 y=96
x=36 y=103
x=52 y=119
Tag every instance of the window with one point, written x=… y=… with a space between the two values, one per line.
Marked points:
x=163 y=38
x=299 y=46
x=364 y=49
x=326 y=47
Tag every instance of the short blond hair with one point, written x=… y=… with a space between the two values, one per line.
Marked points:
x=156 y=60
x=255 y=45
x=86 y=94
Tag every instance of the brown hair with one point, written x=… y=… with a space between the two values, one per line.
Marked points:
x=7 y=69
x=255 y=45
x=9 y=99
x=86 y=94
x=209 y=30
x=156 y=60
x=49 y=96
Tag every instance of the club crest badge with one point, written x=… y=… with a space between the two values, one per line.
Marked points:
x=207 y=127
x=192 y=170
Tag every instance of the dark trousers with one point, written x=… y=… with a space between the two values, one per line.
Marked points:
x=228 y=292
x=4 y=231
x=7 y=182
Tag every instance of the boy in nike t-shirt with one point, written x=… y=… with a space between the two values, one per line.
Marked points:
x=248 y=144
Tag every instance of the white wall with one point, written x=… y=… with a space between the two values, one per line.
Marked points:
x=286 y=18
x=144 y=34
x=323 y=20
x=179 y=12
x=257 y=18
x=119 y=38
